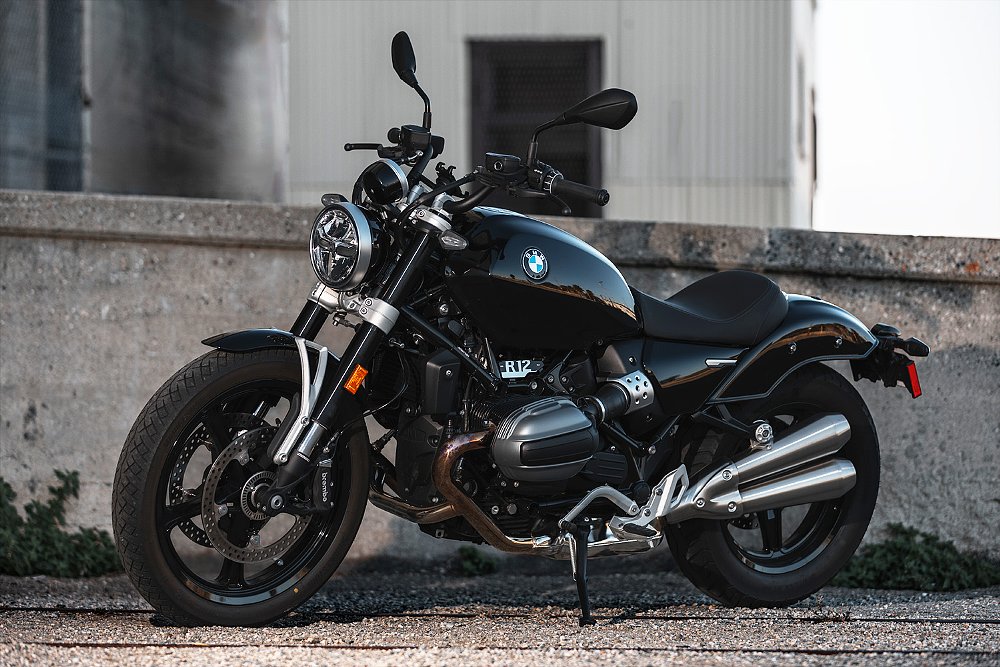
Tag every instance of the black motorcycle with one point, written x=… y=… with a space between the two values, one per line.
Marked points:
x=538 y=403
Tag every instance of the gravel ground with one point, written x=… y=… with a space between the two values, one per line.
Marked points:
x=426 y=618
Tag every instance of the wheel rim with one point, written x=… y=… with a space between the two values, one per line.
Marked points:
x=187 y=548
x=785 y=539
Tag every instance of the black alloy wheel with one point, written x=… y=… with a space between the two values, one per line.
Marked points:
x=779 y=556
x=190 y=531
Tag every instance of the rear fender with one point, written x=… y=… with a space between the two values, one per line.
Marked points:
x=812 y=331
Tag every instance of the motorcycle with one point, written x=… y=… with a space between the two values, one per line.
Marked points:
x=538 y=403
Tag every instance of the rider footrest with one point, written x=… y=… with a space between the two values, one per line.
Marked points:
x=642 y=531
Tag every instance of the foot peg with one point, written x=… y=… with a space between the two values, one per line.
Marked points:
x=641 y=531
x=577 y=533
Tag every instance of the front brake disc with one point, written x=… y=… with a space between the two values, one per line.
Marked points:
x=176 y=493
x=239 y=453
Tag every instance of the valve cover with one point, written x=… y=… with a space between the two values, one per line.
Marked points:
x=548 y=440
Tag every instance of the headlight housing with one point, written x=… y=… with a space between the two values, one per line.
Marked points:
x=384 y=182
x=340 y=246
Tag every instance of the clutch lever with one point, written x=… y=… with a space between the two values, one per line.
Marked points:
x=395 y=153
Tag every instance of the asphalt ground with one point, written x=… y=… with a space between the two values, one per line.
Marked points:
x=394 y=615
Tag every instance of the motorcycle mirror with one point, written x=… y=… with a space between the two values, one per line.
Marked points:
x=612 y=109
x=404 y=61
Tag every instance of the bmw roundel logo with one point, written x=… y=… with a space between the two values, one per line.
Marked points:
x=534 y=263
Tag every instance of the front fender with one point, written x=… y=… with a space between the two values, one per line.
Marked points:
x=249 y=340
x=813 y=330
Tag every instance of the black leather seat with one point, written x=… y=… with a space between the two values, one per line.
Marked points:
x=726 y=308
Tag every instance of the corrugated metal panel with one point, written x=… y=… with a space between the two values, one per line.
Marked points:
x=711 y=142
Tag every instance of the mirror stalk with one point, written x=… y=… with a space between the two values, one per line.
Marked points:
x=427 y=105
x=532 y=156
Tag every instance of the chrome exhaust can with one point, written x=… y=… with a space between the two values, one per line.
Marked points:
x=728 y=490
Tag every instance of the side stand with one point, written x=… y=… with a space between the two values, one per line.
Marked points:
x=576 y=535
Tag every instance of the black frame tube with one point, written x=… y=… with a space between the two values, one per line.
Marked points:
x=431 y=332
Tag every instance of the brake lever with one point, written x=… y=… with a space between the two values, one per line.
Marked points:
x=566 y=210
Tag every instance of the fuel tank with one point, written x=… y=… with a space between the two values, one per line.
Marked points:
x=529 y=285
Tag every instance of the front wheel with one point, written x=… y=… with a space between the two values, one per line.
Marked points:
x=782 y=555
x=190 y=535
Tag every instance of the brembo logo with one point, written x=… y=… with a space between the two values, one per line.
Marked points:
x=326 y=485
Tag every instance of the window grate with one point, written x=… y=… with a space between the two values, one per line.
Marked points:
x=518 y=85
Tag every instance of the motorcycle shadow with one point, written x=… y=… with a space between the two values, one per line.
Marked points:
x=621 y=588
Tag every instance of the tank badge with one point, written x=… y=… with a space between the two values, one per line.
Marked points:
x=535 y=265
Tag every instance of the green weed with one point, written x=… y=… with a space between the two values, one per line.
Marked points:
x=911 y=560
x=474 y=563
x=39 y=543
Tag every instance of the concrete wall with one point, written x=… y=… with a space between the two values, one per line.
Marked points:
x=102 y=298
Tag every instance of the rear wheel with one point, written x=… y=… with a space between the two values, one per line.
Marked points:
x=192 y=538
x=782 y=555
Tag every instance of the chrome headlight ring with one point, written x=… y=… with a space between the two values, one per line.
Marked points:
x=340 y=246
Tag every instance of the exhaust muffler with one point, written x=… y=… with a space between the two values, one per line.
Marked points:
x=728 y=490
x=820 y=481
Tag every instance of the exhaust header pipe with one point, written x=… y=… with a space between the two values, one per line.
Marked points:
x=729 y=489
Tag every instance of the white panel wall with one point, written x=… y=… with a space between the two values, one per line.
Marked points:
x=712 y=141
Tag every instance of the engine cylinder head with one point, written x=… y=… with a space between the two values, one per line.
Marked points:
x=547 y=440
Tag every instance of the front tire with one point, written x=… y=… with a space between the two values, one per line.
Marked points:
x=203 y=435
x=760 y=560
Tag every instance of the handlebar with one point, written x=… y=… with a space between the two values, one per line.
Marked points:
x=561 y=187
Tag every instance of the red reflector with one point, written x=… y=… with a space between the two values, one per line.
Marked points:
x=914 y=380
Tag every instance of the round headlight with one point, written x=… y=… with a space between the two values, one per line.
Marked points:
x=341 y=246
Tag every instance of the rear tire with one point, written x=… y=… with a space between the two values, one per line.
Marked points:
x=713 y=554
x=153 y=469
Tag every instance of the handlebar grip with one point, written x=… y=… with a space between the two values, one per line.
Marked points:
x=561 y=187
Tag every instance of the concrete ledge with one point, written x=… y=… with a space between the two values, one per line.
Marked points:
x=154 y=219
x=717 y=247
x=649 y=244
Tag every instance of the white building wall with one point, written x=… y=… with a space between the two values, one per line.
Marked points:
x=802 y=62
x=712 y=141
